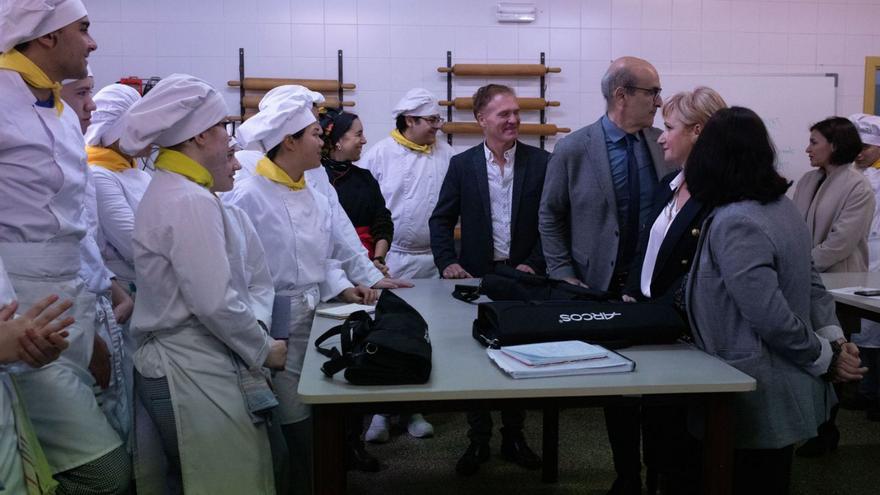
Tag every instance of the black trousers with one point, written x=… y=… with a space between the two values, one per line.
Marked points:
x=762 y=471
x=480 y=424
x=660 y=431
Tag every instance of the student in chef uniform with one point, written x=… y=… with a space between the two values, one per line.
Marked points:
x=201 y=347
x=354 y=258
x=410 y=166
x=111 y=362
x=119 y=182
x=42 y=224
x=20 y=349
x=296 y=226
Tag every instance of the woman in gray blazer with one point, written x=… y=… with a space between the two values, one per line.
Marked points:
x=754 y=301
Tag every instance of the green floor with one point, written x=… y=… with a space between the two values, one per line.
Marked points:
x=426 y=467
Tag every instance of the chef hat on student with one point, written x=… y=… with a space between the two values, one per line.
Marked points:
x=868 y=126
x=268 y=128
x=417 y=102
x=178 y=108
x=107 y=120
x=25 y=20
x=290 y=91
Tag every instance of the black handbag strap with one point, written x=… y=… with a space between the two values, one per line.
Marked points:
x=346 y=331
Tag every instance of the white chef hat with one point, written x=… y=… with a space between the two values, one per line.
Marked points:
x=111 y=104
x=89 y=73
x=25 y=20
x=418 y=102
x=283 y=117
x=179 y=107
x=868 y=126
x=290 y=91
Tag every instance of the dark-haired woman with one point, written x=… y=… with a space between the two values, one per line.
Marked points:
x=755 y=302
x=838 y=203
x=358 y=191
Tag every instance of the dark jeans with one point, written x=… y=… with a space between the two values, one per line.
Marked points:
x=480 y=423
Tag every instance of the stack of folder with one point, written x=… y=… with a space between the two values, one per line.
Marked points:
x=571 y=357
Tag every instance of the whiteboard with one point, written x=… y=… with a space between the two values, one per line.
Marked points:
x=788 y=103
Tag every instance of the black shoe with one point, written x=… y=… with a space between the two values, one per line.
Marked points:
x=476 y=454
x=825 y=442
x=626 y=486
x=517 y=450
x=357 y=457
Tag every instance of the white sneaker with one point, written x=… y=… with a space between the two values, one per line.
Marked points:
x=418 y=427
x=378 y=432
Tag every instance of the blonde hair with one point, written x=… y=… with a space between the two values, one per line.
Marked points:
x=694 y=107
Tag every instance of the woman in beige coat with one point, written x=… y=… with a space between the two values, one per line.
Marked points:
x=837 y=202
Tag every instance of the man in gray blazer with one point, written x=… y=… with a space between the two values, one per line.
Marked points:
x=597 y=198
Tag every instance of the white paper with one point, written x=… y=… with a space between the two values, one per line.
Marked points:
x=545 y=353
x=344 y=311
x=613 y=363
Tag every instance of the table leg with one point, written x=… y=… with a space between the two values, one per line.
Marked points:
x=329 y=449
x=718 y=446
x=550 y=444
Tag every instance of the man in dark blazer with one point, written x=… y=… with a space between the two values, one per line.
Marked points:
x=495 y=188
x=597 y=197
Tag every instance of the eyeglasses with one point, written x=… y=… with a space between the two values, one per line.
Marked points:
x=433 y=120
x=654 y=92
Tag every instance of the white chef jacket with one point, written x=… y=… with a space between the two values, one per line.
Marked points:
x=93 y=271
x=870 y=333
x=192 y=309
x=118 y=196
x=10 y=461
x=296 y=229
x=42 y=168
x=254 y=270
x=353 y=257
x=410 y=182
x=43 y=177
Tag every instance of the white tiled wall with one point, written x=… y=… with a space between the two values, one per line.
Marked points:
x=393 y=45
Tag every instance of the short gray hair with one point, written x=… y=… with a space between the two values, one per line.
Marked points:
x=616 y=77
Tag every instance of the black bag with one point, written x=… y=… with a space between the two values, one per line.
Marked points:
x=610 y=324
x=395 y=349
x=509 y=284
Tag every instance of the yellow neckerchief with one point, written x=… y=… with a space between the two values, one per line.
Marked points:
x=876 y=164
x=32 y=75
x=177 y=162
x=268 y=169
x=403 y=141
x=107 y=158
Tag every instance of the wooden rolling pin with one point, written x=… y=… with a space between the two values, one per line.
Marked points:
x=527 y=129
x=267 y=83
x=524 y=103
x=253 y=101
x=498 y=69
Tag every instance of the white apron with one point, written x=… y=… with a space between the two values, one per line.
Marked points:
x=302 y=313
x=59 y=396
x=210 y=414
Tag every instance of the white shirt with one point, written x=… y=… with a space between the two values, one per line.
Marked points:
x=92 y=271
x=42 y=168
x=353 y=257
x=252 y=269
x=500 y=200
x=118 y=197
x=410 y=182
x=658 y=233
x=185 y=257
x=295 y=228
